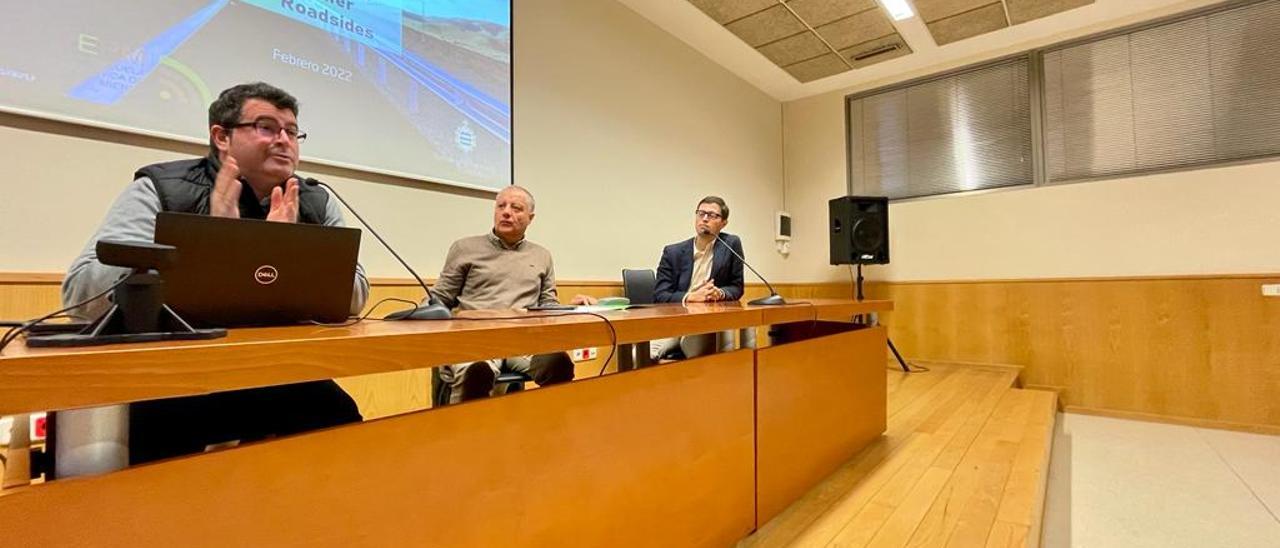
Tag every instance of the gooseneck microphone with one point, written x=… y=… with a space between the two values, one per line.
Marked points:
x=433 y=309
x=774 y=298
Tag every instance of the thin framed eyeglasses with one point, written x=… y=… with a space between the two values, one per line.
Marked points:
x=711 y=215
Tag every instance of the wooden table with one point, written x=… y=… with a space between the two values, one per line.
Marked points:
x=672 y=448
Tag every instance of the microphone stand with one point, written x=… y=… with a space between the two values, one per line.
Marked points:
x=774 y=299
x=432 y=309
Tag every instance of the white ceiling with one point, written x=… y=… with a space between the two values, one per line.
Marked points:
x=686 y=22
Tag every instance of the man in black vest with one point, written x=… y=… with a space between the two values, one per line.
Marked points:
x=249 y=173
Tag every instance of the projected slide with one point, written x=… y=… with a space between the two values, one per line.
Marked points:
x=419 y=87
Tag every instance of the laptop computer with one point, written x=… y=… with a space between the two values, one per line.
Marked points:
x=238 y=272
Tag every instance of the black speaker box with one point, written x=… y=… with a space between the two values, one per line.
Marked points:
x=859 y=230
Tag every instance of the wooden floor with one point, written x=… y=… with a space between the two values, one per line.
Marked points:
x=963 y=462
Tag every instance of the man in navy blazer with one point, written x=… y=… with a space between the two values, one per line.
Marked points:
x=698 y=270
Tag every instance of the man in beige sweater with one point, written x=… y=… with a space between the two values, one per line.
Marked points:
x=502 y=270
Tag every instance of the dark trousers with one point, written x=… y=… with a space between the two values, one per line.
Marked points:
x=160 y=429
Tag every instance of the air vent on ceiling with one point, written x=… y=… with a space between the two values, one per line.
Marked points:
x=874 y=52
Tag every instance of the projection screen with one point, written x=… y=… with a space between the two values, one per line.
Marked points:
x=415 y=88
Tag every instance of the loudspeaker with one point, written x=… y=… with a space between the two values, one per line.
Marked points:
x=859 y=230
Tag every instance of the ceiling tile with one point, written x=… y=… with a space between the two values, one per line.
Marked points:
x=862 y=27
x=1021 y=11
x=968 y=24
x=820 y=12
x=725 y=11
x=886 y=43
x=794 y=49
x=819 y=67
x=772 y=24
x=933 y=10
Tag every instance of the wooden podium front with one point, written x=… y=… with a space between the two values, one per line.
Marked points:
x=665 y=455
x=818 y=402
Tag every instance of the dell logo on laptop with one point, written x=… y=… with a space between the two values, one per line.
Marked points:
x=266 y=274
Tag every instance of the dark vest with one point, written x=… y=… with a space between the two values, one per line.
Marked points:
x=184 y=187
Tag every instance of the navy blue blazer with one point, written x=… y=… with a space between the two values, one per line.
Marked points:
x=676 y=267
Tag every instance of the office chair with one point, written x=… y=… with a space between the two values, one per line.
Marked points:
x=639 y=285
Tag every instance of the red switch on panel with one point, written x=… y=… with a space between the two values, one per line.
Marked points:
x=38 y=426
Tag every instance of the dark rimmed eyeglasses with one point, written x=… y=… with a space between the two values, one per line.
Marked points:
x=707 y=215
x=269 y=129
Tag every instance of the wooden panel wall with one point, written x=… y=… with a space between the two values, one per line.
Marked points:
x=25 y=296
x=1202 y=350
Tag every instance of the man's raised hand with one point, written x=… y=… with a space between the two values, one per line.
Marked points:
x=284 y=203
x=225 y=200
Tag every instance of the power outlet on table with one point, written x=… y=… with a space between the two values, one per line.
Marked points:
x=583 y=354
x=1271 y=290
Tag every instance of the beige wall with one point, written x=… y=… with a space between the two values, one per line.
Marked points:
x=619 y=129
x=813 y=149
x=1208 y=221
x=1212 y=221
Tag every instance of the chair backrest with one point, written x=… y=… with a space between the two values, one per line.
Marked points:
x=638 y=285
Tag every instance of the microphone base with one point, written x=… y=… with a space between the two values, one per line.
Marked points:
x=432 y=311
x=772 y=300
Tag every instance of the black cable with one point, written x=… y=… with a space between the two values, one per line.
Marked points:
x=13 y=332
x=18 y=323
x=853 y=285
x=853 y=290
x=613 y=332
x=367 y=314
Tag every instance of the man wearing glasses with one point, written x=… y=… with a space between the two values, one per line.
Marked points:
x=249 y=173
x=699 y=270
